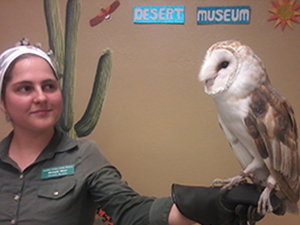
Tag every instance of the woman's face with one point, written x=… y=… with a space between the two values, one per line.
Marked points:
x=32 y=97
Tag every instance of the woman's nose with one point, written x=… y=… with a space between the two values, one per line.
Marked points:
x=40 y=96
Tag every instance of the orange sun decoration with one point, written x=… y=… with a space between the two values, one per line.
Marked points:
x=284 y=13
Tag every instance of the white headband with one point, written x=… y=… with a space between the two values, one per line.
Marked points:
x=8 y=56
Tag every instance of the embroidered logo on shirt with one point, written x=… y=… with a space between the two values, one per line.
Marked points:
x=58 y=171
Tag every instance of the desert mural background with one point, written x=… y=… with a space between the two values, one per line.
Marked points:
x=157 y=124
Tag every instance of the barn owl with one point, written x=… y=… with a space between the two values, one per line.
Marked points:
x=258 y=122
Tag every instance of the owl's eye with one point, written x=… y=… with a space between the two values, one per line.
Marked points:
x=224 y=64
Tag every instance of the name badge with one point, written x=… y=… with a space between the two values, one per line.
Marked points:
x=59 y=171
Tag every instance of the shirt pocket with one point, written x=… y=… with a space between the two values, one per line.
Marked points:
x=56 y=190
x=56 y=197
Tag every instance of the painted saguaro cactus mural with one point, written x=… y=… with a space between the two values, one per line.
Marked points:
x=63 y=47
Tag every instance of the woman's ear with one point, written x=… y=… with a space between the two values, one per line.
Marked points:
x=2 y=106
x=3 y=109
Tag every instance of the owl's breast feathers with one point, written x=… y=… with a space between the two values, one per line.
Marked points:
x=272 y=125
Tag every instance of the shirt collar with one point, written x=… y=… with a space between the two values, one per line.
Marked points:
x=4 y=144
x=60 y=142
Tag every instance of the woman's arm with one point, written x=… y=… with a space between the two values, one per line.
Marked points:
x=176 y=218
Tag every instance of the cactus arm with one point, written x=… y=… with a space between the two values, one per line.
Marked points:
x=55 y=34
x=92 y=113
x=72 y=22
x=64 y=58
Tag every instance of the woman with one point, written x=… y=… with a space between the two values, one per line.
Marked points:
x=48 y=178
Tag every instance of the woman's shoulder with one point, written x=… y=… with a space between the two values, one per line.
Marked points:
x=87 y=142
x=90 y=150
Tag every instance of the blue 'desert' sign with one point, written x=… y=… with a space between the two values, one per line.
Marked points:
x=223 y=15
x=158 y=14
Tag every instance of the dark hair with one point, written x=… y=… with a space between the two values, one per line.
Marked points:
x=7 y=75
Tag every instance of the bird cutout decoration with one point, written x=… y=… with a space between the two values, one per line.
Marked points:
x=105 y=14
x=258 y=122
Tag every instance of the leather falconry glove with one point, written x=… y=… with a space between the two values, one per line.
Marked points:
x=211 y=206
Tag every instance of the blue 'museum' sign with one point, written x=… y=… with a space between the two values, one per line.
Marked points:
x=223 y=15
x=158 y=14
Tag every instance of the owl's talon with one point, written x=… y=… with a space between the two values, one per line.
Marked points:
x=229 y=183
x=219 y=182
x=264 y=202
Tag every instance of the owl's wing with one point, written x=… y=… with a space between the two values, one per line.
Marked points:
x=272 y=125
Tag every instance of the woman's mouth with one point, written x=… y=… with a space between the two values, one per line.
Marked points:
x=41 y=112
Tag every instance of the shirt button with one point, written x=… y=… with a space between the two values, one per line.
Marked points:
x=21 y=176
x=55 y=193
x=17 y=197
x=13 y=221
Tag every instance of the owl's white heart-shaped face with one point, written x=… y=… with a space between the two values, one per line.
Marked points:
x=231 y=65
x=220 y=68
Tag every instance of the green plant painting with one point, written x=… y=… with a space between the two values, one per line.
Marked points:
x=63 y=47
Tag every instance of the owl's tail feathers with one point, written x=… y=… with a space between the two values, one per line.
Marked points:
x=291 y=207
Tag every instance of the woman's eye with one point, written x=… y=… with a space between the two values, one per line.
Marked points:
x=24 y=89
x=50 y=87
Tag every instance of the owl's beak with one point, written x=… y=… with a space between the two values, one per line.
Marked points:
x=210 y=82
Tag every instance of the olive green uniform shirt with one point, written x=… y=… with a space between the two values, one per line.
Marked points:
x=65 y=185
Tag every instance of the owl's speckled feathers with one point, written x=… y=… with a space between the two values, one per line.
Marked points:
x=258 y=122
